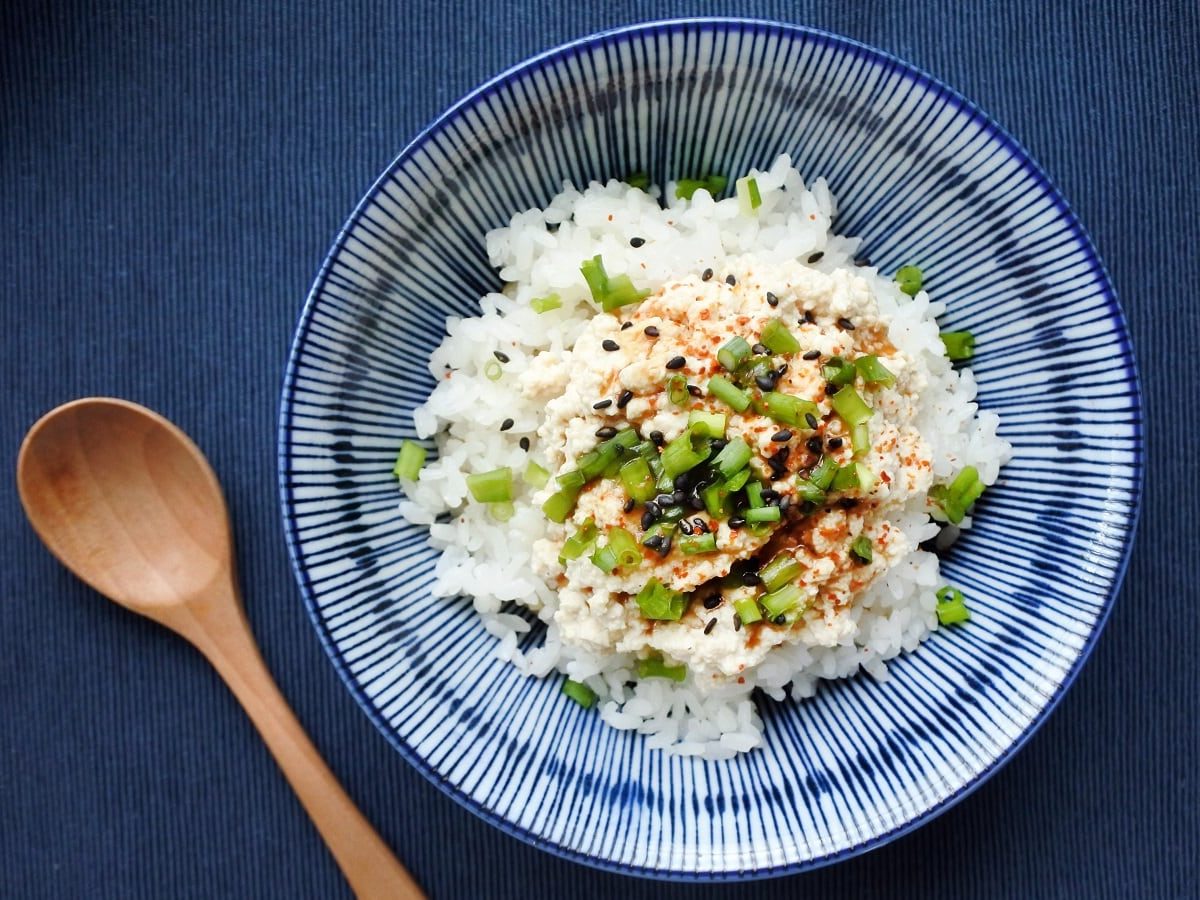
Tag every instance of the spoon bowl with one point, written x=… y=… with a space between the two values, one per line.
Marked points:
x=130 y=505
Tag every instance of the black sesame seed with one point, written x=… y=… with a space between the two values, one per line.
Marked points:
x=863 y=261
x=781 y=371
x=625 y=326
x=651 y=331
x=780 y=619
x=811 y=355
x=771 y=496
x=706 y=275
x=782 y=436
x=730 y=280
x=503 y=357
x=664 y=546
x=811 y=420
x=623 y=399
x=848 y=502
x=772 y=300
x=656 y=437
x=719 y=444
x=765 y=382
x=610 y=345
x=694 y=390
x=835 y=443
x=629 y=504
x=712 y=601
x=736 y=522
x=506 y=424
x=683 y=480
x=524 y=443
x=695 y=502
x=813 y=444
x=685 y=526
x=831 y=388
x=680 y=497
x=653 y=541
x=648 y=520
x=759 y=349
x=809 y=318
x=751 y=579
x=712 y=623
x=700 y=525
x=636 y=242
x=664 y=499
x=602 y=404
x=845 y=324
x=677 y=362
x=737 y=622
x=815 y=257
x=606 y=432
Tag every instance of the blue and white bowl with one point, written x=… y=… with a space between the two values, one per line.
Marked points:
x=921 y=174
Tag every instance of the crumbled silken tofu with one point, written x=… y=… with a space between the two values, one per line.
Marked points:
x=693 y=318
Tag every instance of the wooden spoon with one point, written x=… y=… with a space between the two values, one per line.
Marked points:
x=129 y=504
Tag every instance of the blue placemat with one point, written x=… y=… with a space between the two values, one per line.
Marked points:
x=170 y=177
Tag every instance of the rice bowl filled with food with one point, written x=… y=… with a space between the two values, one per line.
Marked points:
x=705 y=446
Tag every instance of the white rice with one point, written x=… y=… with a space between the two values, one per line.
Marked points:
x=490 y=561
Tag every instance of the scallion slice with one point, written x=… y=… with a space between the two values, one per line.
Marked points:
x=535 y=476
x=572 y=479
x=692 y=544
x=788 y=410
x=706 y=424
x=762 y=514
x=846 y=478
x=822 y=473
x=680 y=456
x=638 y=179
x=873 y=371
x=656 y=601
x=580 y=693
x=960 y=345
x=807 y=491
x=502 y=511
x=732 y=458
x=625 y=546
x=656 y=668
x=491 y=487
x=837 y=371
x=861 y=549
x=782 y=569
x=754 y=494
x=492 y=370
x=677 y=390
x=728 y=393
x=955 y=499
x=581 y=542
x=776 y=338
x=732 y=353
x=409 y=461
x=749 y=198
x=610 y=292
x=560 y=504
x=860 y=439
x=605 y=559
x=545 y=304
x=686 y=187
x=747 y=610
x=909 y=279
x=738 y=480
x=716 y=499
x=848 y=404
x=782 y=600
x=638 y=480
x=951 y=606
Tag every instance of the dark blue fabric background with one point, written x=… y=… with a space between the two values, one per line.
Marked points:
x=171 y=174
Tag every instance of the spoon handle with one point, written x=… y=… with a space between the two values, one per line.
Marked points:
x=222 y=633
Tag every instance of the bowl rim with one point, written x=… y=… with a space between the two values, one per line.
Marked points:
x=827 y=39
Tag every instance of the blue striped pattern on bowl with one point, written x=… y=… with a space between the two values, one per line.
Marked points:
x=924 y=177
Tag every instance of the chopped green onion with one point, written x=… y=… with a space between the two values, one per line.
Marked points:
x=788 y=410
x=545 y=304
x=749 y=199
x=625 y=545
x=660 y=528
x=502 y=511
x=960 y=345
x=780 y=601
x=823 y=472
x=680 y=456
x=728 y=393
x=656 y=601
x=837 y=371
x=580 y=693
x=638 y=179
x=735 y=350
x=610 y=292
x=491 y=487
x=733 y=457
x=625 y=439
x=910 y=279
x=955 y=499
x=860 y=439
x=762 y=514
x=747 y=610
x=692 y=544
x=686 y=187
x=677 y=390
x=581 y=542
x=572 y=479
x=754 y=494
x=738 y=480
x=535 y=476
x=779 y=571
x=951 y=606
x=560 y=504
x=409 y=461
x=595 y=461
x=716 y=499
x=873 y=371
x=776 y=338
x=807 y=491
x=861 y=549
x=492 y=370
x=638 y=480
x=605 y=559
x=848 y=404
x=656 y=668
x=706 y=424
x=853 y=475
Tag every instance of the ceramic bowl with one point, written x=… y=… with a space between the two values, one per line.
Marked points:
x=921 y=174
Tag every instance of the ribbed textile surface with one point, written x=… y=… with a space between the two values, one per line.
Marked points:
x=173 y=174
